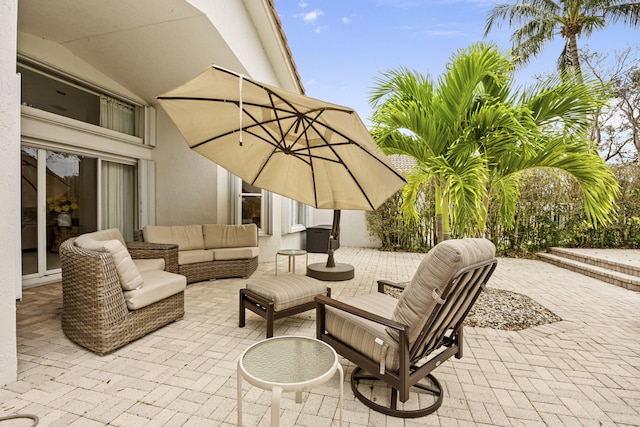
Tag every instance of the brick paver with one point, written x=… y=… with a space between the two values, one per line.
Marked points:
x=584 y=370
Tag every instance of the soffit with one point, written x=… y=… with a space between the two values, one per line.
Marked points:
x=148 y=46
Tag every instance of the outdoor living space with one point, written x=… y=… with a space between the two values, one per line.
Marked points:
x=582 y=370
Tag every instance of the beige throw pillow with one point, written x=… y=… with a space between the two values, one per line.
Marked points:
x=128 y=273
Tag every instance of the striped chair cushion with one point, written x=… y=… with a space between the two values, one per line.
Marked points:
x=288 y=290
x=437 y=268
x=368 y=338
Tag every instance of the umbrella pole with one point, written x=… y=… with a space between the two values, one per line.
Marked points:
x=331 y=270
x=333 y=238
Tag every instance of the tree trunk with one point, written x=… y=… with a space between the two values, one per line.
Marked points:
x=443 y=228
x=575 y=59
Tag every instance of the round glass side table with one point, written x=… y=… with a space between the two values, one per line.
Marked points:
x=292 y=254
x=287 y=363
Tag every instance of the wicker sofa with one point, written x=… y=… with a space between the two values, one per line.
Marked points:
x=110 y=299
x=209 y=251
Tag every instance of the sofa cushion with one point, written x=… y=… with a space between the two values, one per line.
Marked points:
x=128 y=273
x=229 y=236
x=149 y=264
x=227 y=254
x=369 y=338
x=157 y=286
x=437 y=268
x=187 y=237
x=109 y=234
x=191 y=257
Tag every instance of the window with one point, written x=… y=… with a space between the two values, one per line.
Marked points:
x=297 y=217
x=45 y=90
x=253 y=207
x=251 y=204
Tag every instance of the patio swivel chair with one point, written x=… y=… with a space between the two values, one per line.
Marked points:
x=396 y=343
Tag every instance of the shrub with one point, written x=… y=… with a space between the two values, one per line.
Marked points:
x=549 y=214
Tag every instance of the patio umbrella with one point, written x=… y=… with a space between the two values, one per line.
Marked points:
x=308 y=150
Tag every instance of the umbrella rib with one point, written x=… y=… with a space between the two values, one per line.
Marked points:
x=247 y=129
x=350 y=141
x=347 y=142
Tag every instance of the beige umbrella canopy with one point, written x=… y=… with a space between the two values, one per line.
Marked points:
x=318 y=153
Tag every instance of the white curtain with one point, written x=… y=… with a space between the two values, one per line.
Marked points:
x=119 y=198
x=117 y=115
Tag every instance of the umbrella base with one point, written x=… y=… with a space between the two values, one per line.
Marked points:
x=320 y=271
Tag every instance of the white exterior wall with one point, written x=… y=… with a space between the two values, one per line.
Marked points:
x=208 y=197
x=10 y=269
x=353 y=228
x=186 y=182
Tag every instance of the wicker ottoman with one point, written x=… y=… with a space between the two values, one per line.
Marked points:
x=274 y=298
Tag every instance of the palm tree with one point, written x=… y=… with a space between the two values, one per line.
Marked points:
x=472 y=136
x=427 y=121
x=541 y=20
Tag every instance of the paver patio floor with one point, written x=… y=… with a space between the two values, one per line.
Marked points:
x=584 y=370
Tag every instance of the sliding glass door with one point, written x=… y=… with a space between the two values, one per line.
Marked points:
x=58 y=202
x=67 y=194
x=119 y=198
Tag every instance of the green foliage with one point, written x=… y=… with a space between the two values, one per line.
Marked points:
x=387 y=223
x=549 y=212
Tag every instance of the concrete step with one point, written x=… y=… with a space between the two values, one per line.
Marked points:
x=617 y=278
x=620 y=267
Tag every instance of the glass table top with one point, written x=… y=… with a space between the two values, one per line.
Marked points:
x=292 y=252
x=288 y=360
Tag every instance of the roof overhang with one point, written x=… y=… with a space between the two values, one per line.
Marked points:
x=147 y=46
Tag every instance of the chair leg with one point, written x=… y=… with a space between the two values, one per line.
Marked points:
x=241 y=311
x=270 y=316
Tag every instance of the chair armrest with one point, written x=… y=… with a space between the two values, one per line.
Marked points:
x=146 y=250
x=322 y=300
x=383 y=283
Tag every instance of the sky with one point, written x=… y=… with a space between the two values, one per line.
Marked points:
x=341 y=46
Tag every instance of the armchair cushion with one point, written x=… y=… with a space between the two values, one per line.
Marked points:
x=128 y=273
x=437 y=268
x=149 y=264
x=158 y=286
x=367 y=337
x=109 y=234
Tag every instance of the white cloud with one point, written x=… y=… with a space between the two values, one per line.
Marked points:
x=311 y=16
x=303 y=4
x=445 y=33
x=320 y=29
x=310 y=82
x=346 y=20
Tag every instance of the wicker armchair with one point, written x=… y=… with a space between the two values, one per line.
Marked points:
x=94 y=313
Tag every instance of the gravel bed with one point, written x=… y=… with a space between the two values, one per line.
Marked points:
x=508 y=311
x=504 y=310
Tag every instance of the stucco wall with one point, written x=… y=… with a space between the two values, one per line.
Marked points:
x=353 y=229
x=186 y=182
x=9 y=190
